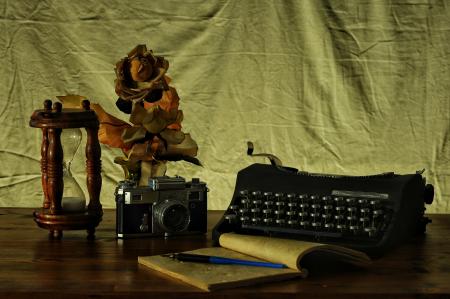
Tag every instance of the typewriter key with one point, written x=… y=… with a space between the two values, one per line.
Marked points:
x=351 y=218
x=354 y=228
x=234 y=207
x=341 y=208
x=280 y=221
x=328 y=207
x=304 y=224
x=243 y=193
x=338 y=200
x=326 y=199
x=292 y=204
x=245 y=201
x=256 y=220
x=257 y=202
x=338 y=217
x=267 y=211
x=244 y=218
x=316 y=224
x=329 y=225
x=364 y=220
x=350 y=201
x=231 y=218
x=371 y=231
x=268 y=221
x=314 y=197
x=304 y=205
x=267 y=195
x=268 y=203
x=255 y=210
x=303 y=198
x=291 y=197
x=315 y=206
x=243 y=210
x=327 y=216
x=364 y=210
x=341 y=227
x=279 y=197
x=378 y=212
x=256 y=194
x=292 y=222
x=351 y=209
x=362 y=201
x=290 y=213
x=303 y=214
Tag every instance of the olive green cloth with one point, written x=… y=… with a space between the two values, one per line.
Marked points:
x=351 y=87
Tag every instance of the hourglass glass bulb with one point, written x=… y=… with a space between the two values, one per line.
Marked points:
x=71 y=140
x=73 y=197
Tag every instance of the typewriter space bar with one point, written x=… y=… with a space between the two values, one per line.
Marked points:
x=291 y=231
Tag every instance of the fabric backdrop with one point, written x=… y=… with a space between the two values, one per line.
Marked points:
x=350 y=87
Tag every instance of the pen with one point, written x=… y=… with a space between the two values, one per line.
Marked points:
x=198 y=258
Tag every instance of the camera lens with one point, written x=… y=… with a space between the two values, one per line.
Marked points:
x=173 y=217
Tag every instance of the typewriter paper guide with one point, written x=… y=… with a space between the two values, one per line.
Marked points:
x=212 y=277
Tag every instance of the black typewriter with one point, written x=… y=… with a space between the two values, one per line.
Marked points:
x=369 y=213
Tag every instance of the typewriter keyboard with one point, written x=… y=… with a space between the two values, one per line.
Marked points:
x=332 y=216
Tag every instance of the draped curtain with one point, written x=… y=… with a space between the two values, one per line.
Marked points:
x=348 y=87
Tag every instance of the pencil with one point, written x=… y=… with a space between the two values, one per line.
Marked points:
x=198 y=258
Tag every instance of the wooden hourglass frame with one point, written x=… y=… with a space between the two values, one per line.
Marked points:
x=52 y=120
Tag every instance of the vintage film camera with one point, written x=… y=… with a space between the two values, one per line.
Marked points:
x=167 y=206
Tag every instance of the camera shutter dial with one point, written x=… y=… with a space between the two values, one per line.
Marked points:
x=172 y=216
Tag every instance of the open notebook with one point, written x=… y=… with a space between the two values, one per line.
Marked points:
x=257 y=248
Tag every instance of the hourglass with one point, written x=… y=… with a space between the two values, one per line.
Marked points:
x=64 y=206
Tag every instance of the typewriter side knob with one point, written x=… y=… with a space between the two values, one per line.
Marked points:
x=428 y=194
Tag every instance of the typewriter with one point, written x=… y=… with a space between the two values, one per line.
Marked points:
x=371 y=213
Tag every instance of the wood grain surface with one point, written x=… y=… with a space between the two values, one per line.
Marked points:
x=32 y=266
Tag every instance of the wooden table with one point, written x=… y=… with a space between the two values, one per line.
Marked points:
x=32 y=266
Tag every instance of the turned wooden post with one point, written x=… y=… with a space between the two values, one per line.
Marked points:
x=55 y=183
x=93 y=165
x=44 y=150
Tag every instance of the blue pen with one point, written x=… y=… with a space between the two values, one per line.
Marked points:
x=198 y=258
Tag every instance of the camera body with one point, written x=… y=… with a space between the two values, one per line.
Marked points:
x=167 y=206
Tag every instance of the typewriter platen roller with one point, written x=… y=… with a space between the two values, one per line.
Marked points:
x=368 y=213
